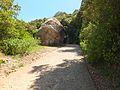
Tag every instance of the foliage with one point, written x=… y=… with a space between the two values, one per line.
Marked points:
x=100 y=34
x=74 y=27
x=37 y=23
x=85 y=35
x=8 y=12
x=15 y=46
x=103 y=40
x=16 y=36
x=71 y=23
x=60 y=15
x=25 y=27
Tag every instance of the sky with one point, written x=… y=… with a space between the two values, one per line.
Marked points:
x=36 y=9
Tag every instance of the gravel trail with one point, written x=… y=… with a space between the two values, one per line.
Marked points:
x=61 y=69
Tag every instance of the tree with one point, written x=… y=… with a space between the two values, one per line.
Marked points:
x=103 y=42
x=8 y=12
x=15 y=35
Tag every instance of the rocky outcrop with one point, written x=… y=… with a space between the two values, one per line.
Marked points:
x=51 y=32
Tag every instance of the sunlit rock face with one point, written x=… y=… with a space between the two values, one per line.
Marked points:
x=51 y=32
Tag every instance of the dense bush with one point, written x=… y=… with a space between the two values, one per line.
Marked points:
x=100 y=34
x=15 y=46
x=16 y=36
x=85 y=35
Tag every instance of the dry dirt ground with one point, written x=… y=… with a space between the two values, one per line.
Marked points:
x=60 y=69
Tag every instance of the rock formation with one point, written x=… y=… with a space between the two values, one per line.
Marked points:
x=51 y=32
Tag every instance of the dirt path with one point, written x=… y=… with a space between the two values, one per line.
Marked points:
x=61 y=69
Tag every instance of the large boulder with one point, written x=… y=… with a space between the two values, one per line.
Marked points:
x=51 y=32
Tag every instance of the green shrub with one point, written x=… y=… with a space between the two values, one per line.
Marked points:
x=85 y=34
x=15 y=46
x=99 y=45
x=102 y=42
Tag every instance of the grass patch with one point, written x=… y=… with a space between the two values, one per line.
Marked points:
x=35 y=49
x=29 y=51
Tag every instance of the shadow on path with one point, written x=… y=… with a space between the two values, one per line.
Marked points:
x=69 y=75
x=73 y=48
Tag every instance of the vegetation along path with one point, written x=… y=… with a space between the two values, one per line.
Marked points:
x=61 y=69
